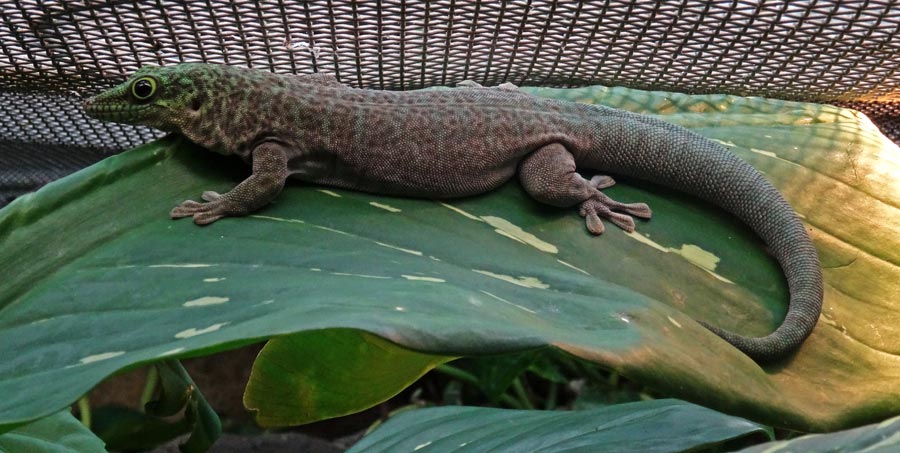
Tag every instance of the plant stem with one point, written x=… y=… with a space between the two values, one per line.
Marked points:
x=84 y=409
x=149 y=386
x=550 y=404
x=510 y=401
x=458 y=373
x=520 y=392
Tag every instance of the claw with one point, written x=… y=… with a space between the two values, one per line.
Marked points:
x=594 y=224
x=203 y=213
x=637 y=209
x=205 y=218
x=601 y=205
x=185 y=209
x=209 y=195
x=602 y=182
x=622 y=221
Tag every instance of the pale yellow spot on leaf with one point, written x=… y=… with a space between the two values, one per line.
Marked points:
x=315 y=269
x=193 y=332
x=673 y=321
x=213 y=280
x=328 y=192
x=699 y=107
x=411 y=252
x=527 y=282
x=347 y=274
x=399 y=309
x=277 y=219
x=424 y=279
x=204 y=301
x=100 y=357
x=386 y=207
x=773 y=156
x=724 y=143
x=183 y=265
x=421 y=446
x=170 y=352
x=690 y=252
x=573 y=267
x=461 y=212
x=330 y=230
x=698 y=256
x=508 y=302
x=506 y=228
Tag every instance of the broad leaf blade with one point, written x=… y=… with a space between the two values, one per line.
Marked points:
x=488 y=274
x=58 y=433
x=649 y=426
x=309 y=376
x=882 y=437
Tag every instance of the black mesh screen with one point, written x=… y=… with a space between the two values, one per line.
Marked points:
x=844 y=52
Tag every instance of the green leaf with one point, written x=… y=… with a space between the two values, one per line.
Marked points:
x=881 y=437
x=649 y=426
x=179 y=393
x=58 y=433
x=129 y=430
x=98 y=278
x=321 y=374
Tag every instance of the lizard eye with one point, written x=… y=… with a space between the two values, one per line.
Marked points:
x=143 y=88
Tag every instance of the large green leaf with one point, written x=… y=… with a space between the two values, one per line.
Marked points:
x=58 y=433
x=881 y=437
x=312 y=375
x=647 y=426
x=97 y=278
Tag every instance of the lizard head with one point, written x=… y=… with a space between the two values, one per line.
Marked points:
x=161 y=97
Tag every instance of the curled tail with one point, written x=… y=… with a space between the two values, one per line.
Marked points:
x=660 y=152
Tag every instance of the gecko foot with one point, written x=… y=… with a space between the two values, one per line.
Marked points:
x=602 y=181
x=600 y=205
x=203 y=213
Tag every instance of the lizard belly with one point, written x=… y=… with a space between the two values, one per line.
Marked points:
x=403 y=171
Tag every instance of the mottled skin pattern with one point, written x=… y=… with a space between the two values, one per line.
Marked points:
x=454 y=143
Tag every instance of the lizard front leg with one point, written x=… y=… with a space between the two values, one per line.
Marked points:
x=270 y=170
x=549 y=176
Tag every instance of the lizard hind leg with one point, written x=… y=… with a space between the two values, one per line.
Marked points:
x=549 y=176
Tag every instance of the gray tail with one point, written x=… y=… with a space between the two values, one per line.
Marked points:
x=678 y=158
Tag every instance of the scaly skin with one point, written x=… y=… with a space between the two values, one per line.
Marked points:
x=466 y=141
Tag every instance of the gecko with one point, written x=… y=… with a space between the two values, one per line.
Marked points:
x=441 y=144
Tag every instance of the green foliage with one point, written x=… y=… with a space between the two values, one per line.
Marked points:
x=295 y=380
x=57 y=433
x=178 y=393
x=176 y=397
x=650 y=426
x=881 y=437
x=494 y=274
x=539 y=379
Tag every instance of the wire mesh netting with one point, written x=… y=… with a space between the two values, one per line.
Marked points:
x=56 y=52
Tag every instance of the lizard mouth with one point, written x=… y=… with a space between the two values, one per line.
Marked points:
x=116 y=111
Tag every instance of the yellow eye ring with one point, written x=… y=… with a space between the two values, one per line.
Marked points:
x=143 y=88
